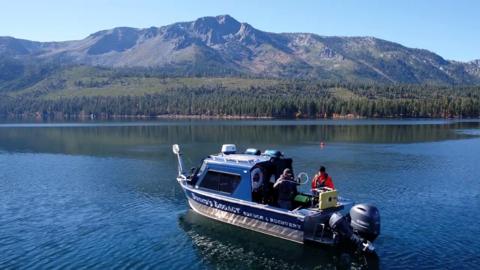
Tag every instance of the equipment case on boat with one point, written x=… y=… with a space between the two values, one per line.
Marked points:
x=327 y=199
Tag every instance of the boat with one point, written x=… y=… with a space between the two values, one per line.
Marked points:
x=236 y=188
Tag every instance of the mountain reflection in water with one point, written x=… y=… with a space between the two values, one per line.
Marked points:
x=102 y=195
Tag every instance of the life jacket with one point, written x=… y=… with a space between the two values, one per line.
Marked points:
x=325 y=181
x=257 y=179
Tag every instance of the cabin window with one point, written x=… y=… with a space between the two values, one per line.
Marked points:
x=219 y=181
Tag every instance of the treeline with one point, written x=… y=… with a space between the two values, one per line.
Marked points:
x=301 y=99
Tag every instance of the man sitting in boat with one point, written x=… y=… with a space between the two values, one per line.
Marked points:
x=287 y=189
x=322 y=180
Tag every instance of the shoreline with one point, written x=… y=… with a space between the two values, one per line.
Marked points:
x=60 y=117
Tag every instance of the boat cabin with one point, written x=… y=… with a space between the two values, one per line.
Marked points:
x=248 y=176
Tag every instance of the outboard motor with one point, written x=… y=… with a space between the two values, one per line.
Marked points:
x=365 y=221
x=340 y=226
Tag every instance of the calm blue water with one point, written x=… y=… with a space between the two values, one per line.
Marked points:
x=103 y=195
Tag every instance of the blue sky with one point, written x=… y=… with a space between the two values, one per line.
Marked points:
x=449 y=28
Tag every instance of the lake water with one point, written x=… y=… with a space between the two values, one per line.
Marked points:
x=99 y=195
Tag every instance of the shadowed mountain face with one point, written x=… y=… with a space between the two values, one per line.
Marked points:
x=221 y=45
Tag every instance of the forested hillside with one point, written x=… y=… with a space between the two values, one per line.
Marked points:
x=106 y=93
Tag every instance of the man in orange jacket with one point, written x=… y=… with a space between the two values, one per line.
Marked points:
x=322 y=179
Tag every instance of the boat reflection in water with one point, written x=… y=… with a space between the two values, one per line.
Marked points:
x=230 y=247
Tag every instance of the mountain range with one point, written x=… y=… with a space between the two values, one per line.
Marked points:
x=223 y=46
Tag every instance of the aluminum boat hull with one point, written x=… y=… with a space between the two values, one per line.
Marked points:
x=261 y=218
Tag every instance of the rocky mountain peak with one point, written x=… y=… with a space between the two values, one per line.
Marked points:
x=13 y=46
x=218 y=26
x=117 y=39
x=227 y=20
x=218 y=45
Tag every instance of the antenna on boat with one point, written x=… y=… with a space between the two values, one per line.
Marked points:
x=176 y=151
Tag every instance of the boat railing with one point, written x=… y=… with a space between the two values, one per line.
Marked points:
x=233 y=160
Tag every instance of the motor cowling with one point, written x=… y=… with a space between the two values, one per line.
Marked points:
x=365 y=221
x=340 y=226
